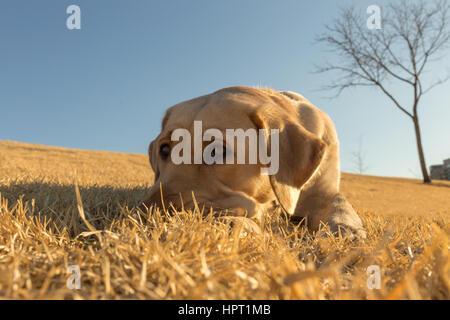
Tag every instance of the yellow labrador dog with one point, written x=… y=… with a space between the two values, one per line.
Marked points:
x=305 y=179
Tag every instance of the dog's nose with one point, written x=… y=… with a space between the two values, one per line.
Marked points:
x=147 y=202
x=144 y=206
x=154 y=199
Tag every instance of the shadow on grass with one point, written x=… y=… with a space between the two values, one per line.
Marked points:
x=101 y=204
x=55 y=205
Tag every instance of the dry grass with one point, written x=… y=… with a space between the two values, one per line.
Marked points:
x=122 y=254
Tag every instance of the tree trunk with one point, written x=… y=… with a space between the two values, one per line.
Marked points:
x=423 y=166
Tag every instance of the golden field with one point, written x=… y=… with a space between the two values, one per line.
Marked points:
x=122 y=254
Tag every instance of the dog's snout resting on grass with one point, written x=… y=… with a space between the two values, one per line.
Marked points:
x=304 y=182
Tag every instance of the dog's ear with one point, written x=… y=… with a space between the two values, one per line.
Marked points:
x=300 y=152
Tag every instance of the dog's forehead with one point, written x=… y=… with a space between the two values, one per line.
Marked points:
x=214 y=111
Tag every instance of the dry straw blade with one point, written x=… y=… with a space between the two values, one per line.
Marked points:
x=45 y=228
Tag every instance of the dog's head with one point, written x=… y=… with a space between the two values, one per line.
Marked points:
x=197 y=132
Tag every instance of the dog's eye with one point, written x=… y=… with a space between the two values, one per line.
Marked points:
x=164 y=151
x=224 y=152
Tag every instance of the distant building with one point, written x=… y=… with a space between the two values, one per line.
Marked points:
x=440 y=171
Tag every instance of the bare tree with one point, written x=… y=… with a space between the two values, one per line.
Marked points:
x=358 y=156
x=412 y=35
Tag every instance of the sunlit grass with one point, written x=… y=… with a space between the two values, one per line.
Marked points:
x=122 y=253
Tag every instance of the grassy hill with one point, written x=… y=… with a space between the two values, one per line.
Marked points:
x=44 y=229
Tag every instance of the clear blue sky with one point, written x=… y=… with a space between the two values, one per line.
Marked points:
x=106 y=86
